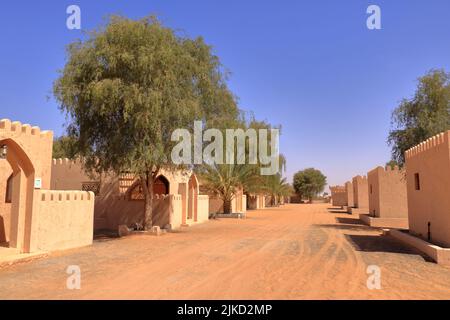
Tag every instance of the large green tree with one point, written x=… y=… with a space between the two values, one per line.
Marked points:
x=128 y=86
x=63 y=147
x=426 y=114
x=309 y=183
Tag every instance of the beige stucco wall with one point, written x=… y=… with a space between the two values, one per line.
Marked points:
x=387 y=193
x=430 y=204
x=69 y=175
x=5 y=208
x=203 y=208
x=360 y=192
x=349 y=194
x=113 y=211
x=62 y=220
x=338 y=196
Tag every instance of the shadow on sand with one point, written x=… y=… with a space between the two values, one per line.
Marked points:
x=355 y=221
x=337 y=210
x=380 y=243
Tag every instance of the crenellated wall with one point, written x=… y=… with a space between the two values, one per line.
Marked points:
x=28 y=158
x=36 y=144
x=387 y=193
x=428 y=185
x=62 y=220
x=39 y=218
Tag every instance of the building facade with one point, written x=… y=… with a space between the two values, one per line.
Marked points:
x=388 y=206
x=428 y=189
x=120 y=201
x=33 y=217
x=360 y=193
x=349 y=191
x=338 y=196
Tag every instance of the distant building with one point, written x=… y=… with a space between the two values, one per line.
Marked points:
x=388 y=205
x=338 y=196
x=360 y=195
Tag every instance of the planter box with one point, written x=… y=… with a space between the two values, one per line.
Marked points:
x=438 y=254
x=395 y=223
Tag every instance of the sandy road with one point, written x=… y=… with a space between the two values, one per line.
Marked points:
x=291 y=252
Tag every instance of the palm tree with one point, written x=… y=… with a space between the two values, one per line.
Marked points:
x=224 y=180
x=276 y=187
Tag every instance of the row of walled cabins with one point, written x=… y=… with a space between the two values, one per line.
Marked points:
x=379 y=198
x=416 y=198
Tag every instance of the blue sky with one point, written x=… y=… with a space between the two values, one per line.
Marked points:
x=311 y=66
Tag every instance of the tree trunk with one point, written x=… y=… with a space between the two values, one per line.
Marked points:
x=147 y=187
x=227 y=206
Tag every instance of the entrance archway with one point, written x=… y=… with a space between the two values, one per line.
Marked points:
x=192 y=198
x=161 y=186
x=22 y=183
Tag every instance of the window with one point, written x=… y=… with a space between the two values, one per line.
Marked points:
x=91 y=186
x=9 y=187
x=371 y=189
x=137 y=193
x=417 y=181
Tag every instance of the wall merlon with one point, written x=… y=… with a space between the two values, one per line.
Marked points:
x=16 y=126
x=5 y=124
x=47 y=134
x=35 y=131
x=26 y=129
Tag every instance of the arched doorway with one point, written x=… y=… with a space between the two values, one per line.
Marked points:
x=20 y=188
x=192 y=198
x=161 y=186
